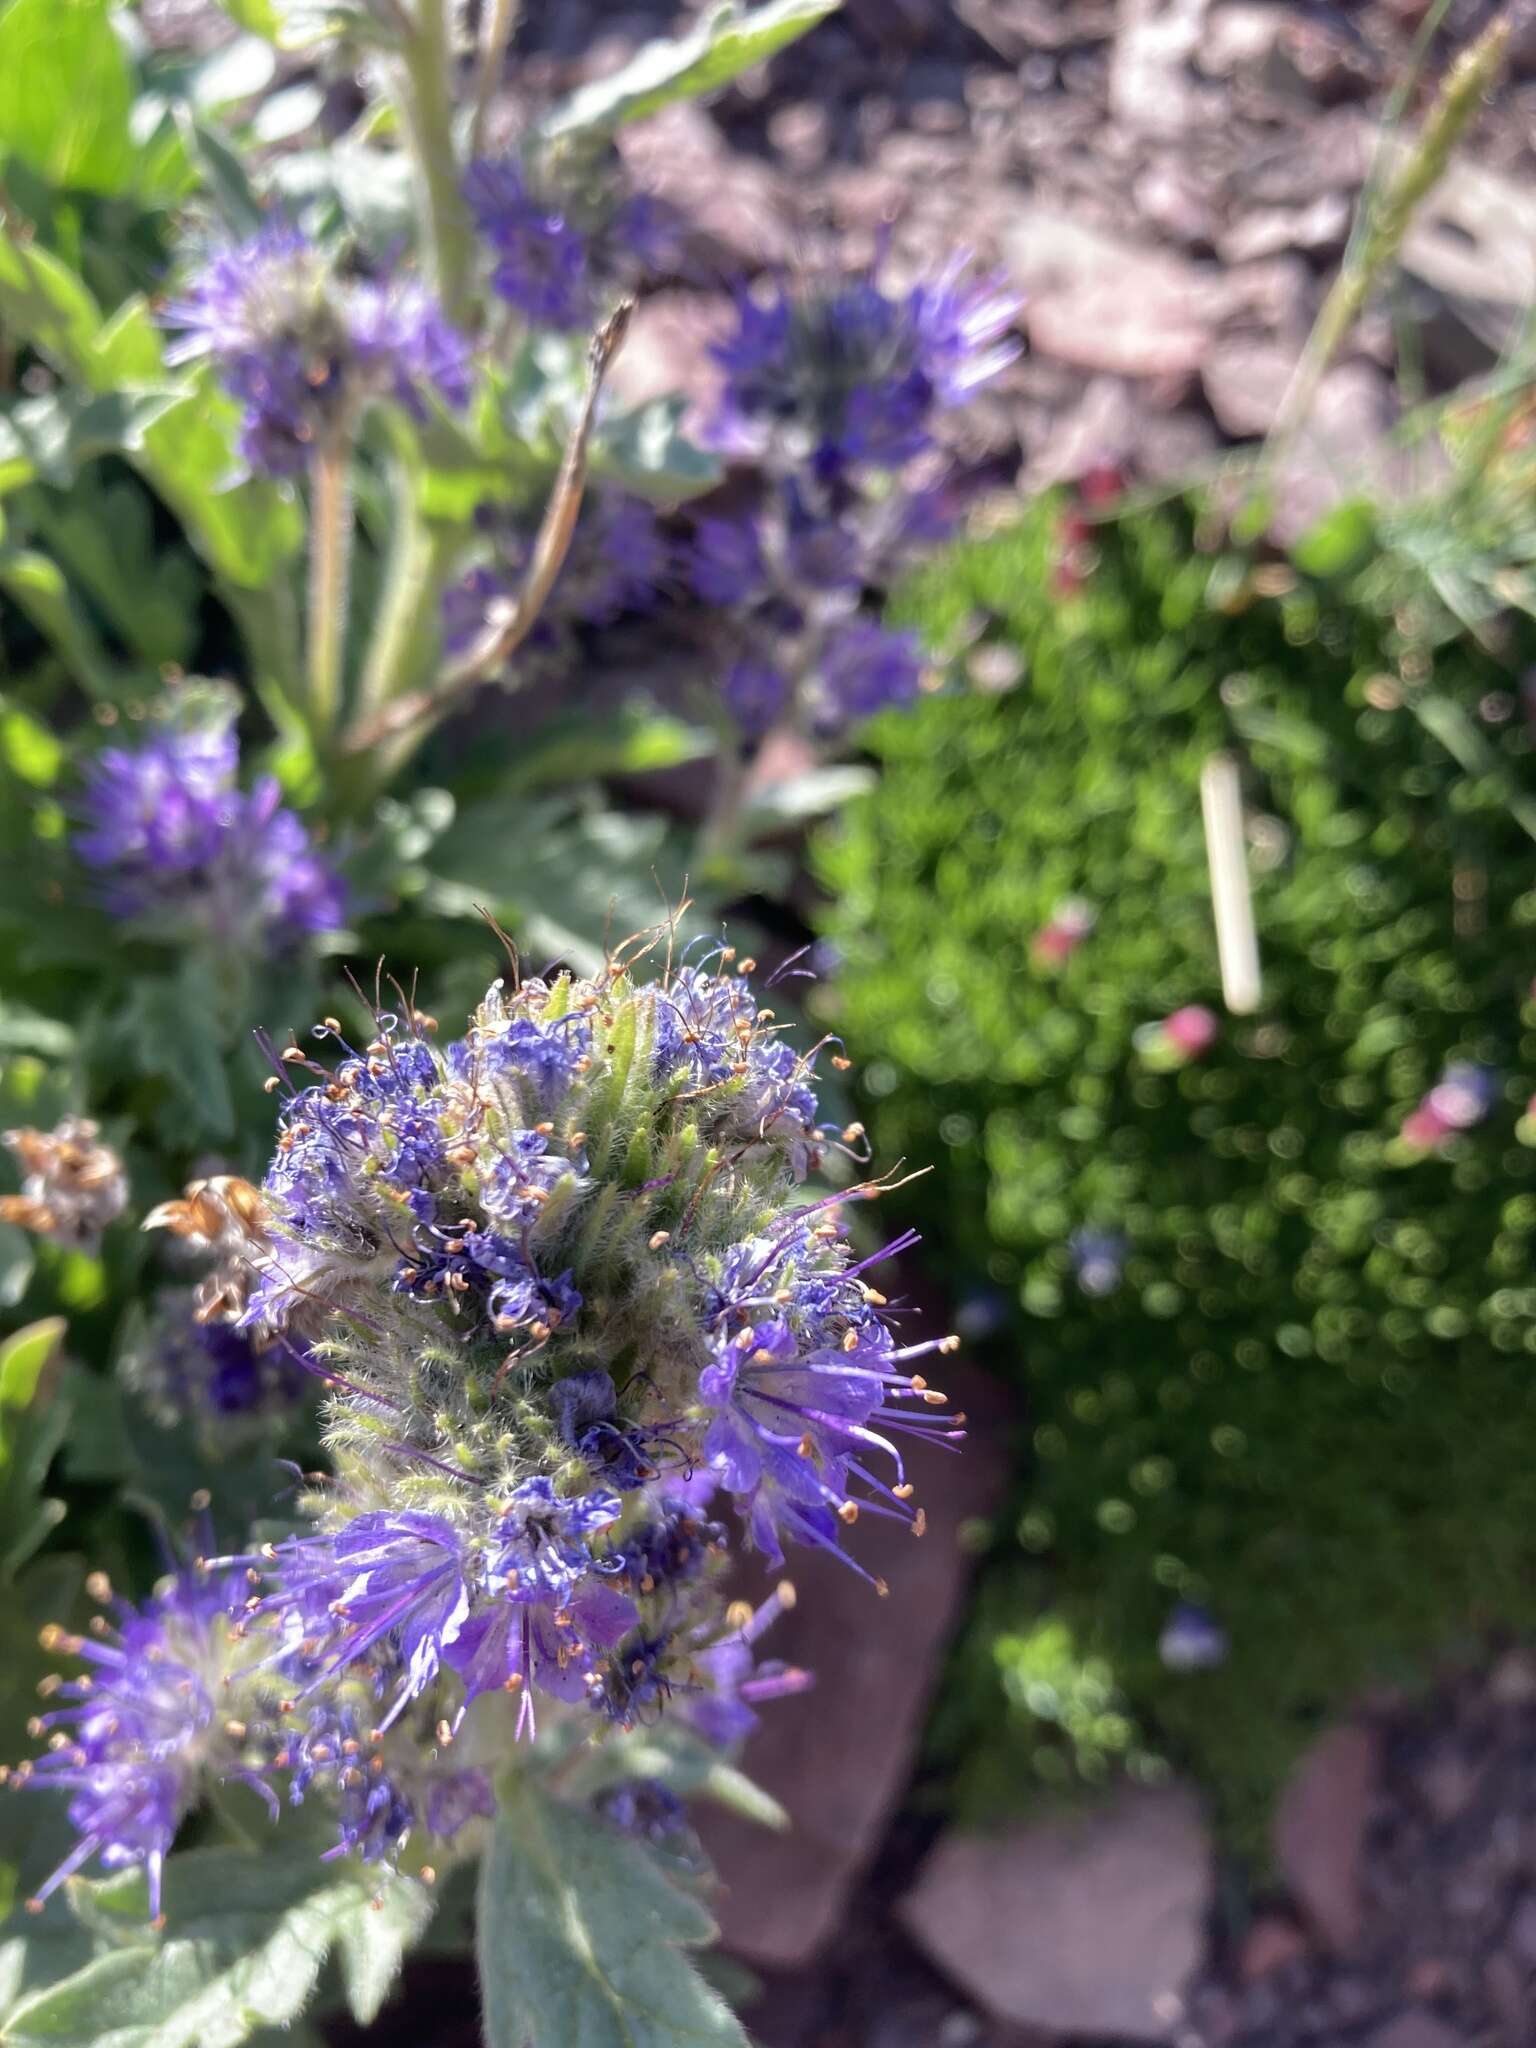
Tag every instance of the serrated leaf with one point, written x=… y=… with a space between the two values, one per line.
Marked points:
x=245 y=1939
x=581 y=1938
x=66 y=93
x=727 y=42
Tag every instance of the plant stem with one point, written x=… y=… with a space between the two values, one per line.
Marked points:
x=718 y=842
x=1383 y=225
x=415 y=573
x=497 y=21
x=330 y=558
x=425 y=103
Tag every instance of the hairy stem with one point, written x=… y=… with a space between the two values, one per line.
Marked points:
x=497 y=21
x=424 y=97
x=330 y=560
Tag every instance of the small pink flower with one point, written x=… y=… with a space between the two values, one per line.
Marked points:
x=1191 y=1030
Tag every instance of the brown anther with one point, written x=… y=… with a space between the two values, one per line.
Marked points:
x=49 y=1685
x=292 y=1056
x=658 y=1238
x=423 y=1022
x=201 y=1501
x=271 y=1084
x=35 y=1726
x=427 y=1874
x=738 y=1615
x=904 y=1491
x=851 y=1340
x=848 y=1512
x=782 y=1295
x=34 y=1905
x=576 y=1140
x=749 y=965
x=333 y=1025
x=235 y=1730
x=545 y=1130
x=805 y=1448
x=842 y=1065
x=873 y=1296
x=744 y=1340
x=785 y=1589
x=949 y=1344
x=917 y=1383
x=852 y=1133
x=514 y=1683
x=444 y=1733
x=882 y=1589
x=99 y=1586
x=934 y=1398
x=454 y=1246
x=920 y=1522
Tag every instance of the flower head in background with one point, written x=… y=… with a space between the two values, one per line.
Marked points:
x=846 y=373
x=1177 y=1039
x=541 y=259
x=302 y=351
x=179 y=846
x=1062 y=933
x=73 y=1185
x=230 y=1386
x=1460 y=1099
x=148 y=1726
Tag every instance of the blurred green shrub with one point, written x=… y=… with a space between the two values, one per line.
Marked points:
x=1310 y=1403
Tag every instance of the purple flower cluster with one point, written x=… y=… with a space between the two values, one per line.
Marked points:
x=180 y=847
x=835 y=389
x=563 y=1287
x=555 y=253
x=302 y=351
x=846 y=374
x=232 y=1387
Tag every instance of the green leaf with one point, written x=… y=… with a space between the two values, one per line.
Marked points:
x=635 y=740
x=31 y=752
x=171 y=1024
x=261 y=16
x=223 y=173
x=66 y=92
x=727 y=42
x=33 y=580
x=1339 y=541
x=47 y=304
x=245 y=1939
x=801 y=797
x=33 y=1419
x=581 y=1938
x=59 y=430
x=646 y=451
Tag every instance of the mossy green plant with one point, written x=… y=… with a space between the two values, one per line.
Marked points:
x=1309 y=1404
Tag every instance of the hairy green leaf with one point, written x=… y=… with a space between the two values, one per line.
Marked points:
x=245 y=1939
x=582 y=1938
x=728 y=41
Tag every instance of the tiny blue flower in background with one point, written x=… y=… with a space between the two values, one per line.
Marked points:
x=232 y=1388
x=179 y=847
x=1098 y=1260
x=1192 y=1640
x=301 y=351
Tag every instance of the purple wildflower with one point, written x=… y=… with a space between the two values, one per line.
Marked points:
x=301 y=351
x=145 y=1728
x=866 y=668
x=227 y=1383
x=542 y=265
x=180 y=846
x=726 y=561
x=854 y=375
x=733 y=1684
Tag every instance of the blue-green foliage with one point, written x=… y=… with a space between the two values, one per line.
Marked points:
x=1309 y=1403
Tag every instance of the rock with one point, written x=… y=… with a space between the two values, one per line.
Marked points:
x=1270 y=1943
x=1448 y=1781
x=1322 y=224
x=840 y=1757
x=1238 y=38
x=1244 y=383
x=1415 y=2029
x=1105 y=304
x=737 y=208
x=1319 y=1829
x=1522 y=1930
x=1170 y=199
x=1152 y=88
x=1082 y=1923
x=667 y=349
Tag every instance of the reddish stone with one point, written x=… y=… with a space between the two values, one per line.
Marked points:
x=839 y=1757
x=1319 y=1831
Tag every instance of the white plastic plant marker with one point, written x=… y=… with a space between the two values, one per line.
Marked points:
x=1237 y=943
